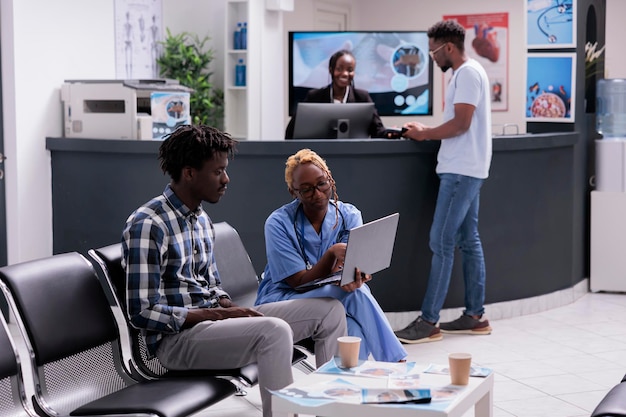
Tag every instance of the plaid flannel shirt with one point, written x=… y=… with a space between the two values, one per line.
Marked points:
x=170 y=266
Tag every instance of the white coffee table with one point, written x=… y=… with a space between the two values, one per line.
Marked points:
x=478 y=393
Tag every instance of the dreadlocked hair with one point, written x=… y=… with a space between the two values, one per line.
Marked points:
x=191 y=146
x=448 y=31
x=307 y=156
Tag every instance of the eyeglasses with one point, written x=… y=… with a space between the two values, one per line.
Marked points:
x=308 y=192
x=432 y=53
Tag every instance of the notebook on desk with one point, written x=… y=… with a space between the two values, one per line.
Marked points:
x=369 y=248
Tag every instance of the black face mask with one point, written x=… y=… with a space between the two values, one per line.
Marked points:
x=445 y=68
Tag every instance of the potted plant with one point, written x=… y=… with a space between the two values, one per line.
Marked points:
x=186 y=58
x=593 y=69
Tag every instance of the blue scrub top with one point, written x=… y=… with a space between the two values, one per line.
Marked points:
x=288 y=232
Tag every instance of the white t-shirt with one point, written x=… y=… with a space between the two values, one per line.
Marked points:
x=469 y=153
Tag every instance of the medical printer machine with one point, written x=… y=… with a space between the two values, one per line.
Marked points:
x=111 y=109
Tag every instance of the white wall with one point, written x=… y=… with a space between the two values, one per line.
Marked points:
x=615 y=64
x=204 y=18
x=45 y=42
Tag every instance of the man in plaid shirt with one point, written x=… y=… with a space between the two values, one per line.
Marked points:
x=174 y=290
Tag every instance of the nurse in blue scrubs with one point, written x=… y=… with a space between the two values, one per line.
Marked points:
x=306 y=239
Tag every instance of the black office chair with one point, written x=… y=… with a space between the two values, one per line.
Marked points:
x=72 y=338
x=614 y=402
x=109 y=260
x=12 y=393
x=239 y=279
x=236 y=271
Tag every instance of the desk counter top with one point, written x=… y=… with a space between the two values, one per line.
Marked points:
x=527 y=214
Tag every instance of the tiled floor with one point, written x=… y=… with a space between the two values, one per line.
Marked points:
x=557 y=363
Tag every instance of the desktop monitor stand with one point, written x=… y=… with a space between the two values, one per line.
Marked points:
x=343 y=128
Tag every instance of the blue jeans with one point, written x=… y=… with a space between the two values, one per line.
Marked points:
x=455 y=223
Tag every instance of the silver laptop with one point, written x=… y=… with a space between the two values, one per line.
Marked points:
x=369 y=248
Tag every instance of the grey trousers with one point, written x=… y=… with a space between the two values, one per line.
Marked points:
x=267 y=340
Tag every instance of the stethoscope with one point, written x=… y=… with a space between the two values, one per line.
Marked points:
x=564 y=15
x=302 y=240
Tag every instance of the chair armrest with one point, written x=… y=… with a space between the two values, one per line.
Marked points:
x=307 y=344
x=298 y=356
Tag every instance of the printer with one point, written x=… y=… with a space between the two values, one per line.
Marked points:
x=116 y=109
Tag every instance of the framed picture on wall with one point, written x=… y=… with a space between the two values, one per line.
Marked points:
x=138 y=33
x=487 y=41
x=550 y=87
x=550 y=24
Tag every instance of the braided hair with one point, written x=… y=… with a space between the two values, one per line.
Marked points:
x=307 y=156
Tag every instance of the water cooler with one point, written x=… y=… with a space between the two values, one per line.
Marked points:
x=608 y=201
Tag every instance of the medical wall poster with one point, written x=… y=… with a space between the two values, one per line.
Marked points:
x=138 y=33
x=487 y=41
x=550 y=93
x=550 y=24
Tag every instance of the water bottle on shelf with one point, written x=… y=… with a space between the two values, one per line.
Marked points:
x=240 y=73
x=237 y=36
x=244 y=36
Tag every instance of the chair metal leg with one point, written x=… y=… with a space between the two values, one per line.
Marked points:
x=240 y=391
x=305 y=366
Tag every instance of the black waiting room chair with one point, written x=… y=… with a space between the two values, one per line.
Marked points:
x=238 y=279
x=614 y=402
x=109 y=260
x=72 y=338
x=13 y=401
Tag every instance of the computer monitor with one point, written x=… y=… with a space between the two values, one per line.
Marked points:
x=333 y=120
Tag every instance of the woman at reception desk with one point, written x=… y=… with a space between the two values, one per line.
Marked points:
x=341 y=66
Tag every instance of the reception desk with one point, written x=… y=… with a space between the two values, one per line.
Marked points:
x=526 y=217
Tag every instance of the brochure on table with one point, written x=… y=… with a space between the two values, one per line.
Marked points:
x=400 y=385
x=477 y=371
x=369 y=368
x=340 y=390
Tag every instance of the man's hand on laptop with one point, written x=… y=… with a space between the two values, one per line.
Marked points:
x=360 y=278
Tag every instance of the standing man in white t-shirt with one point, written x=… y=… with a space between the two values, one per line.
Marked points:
x=462 y=165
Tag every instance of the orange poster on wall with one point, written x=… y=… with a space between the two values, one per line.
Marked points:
x=487 y=41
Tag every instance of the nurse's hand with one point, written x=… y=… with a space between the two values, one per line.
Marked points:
x=360 y=278
x=338 y=252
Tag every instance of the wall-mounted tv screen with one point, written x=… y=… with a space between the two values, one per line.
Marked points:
x=394 y=67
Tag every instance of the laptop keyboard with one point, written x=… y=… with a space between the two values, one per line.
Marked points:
x=334 y=277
